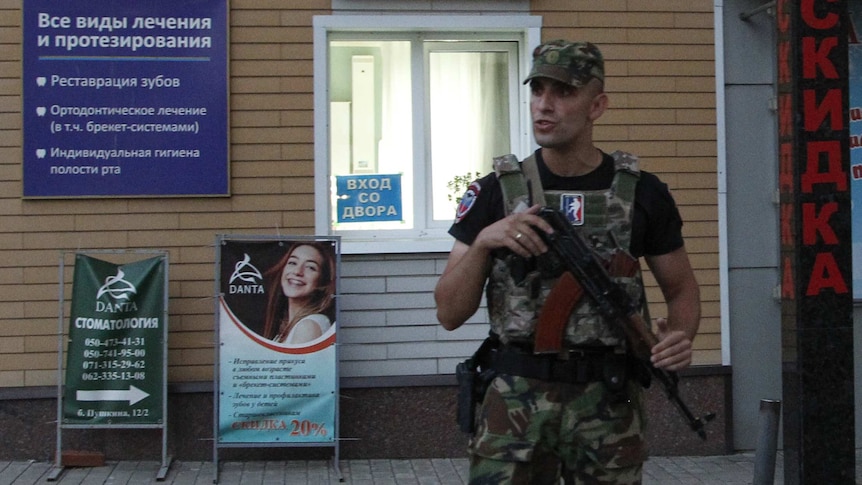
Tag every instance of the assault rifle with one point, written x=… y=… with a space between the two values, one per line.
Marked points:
x=614 y=304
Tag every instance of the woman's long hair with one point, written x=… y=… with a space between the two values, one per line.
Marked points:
x=321 y=300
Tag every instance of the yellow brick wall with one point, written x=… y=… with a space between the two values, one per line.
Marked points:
x=660 y=78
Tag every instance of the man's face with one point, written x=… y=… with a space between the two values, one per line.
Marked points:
x=562 y=114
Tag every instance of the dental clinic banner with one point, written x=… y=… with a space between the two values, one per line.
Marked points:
x=115 y=366
x=277 y=360
x=125 y=99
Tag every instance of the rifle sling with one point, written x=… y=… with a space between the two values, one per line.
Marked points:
x=554 y=315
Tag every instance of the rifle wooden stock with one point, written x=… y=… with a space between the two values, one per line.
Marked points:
x=554 y=316
x=614 y=304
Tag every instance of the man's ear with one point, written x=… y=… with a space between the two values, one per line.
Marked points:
x=598 y=106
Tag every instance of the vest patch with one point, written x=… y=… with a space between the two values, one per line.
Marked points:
x=573 y=206
x=467 y=201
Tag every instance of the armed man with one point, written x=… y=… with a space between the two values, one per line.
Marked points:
x=564 y=397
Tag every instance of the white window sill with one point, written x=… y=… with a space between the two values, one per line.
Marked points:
x=355 y=245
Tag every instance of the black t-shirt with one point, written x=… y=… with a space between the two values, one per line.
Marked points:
x=656 y=224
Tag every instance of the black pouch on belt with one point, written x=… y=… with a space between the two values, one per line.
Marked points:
x=615 y=373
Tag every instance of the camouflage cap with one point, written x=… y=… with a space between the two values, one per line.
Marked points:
x=573 y=63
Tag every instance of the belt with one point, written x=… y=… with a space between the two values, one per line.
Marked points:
x=581 y=367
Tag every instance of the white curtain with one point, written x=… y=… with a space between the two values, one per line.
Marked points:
x=469 y=118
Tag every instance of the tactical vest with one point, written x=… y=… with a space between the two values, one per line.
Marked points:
x=517 y=288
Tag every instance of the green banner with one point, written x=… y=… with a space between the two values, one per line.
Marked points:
x=117 y=339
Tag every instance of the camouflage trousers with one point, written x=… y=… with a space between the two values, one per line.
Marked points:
x=535 y=432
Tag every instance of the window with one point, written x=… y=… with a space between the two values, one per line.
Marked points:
x=408 y=111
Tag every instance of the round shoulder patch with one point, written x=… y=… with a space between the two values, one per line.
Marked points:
x=467 y=201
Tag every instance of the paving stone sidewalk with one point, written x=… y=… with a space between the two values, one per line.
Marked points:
x=737 y=469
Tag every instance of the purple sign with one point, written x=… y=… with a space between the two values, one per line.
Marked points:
x=125 y=99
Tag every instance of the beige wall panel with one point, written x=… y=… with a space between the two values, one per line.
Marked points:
x=176 y=206
x=255 y=85
x=619 y=20
x=693 y=20
x=274 y=202
x=43 y=292
x=264 y=68
x=297 y=117
x=191 y=340
x=14 y=345
x=671 y=5
x=706 y=340
x=226 y=221
x=670 y=36
x=249 y=119
x=36 y=224
x=9 y=121
x=700 y=229
x=298 y=51
x=47 y=377
x=687 y=164
x=10 y=171
x=627 y=117
x=277 y=5
x=183 y=373
x=13 y=378
x=271 y=101
x=255 y=51
x=83 y=240
x=696 y=148
x=674 y=68
x=195 y=289
x=672 y=100
x=699 y=199
x=706 y=357
x=256 y=185
x=299 y=152
x=50 y=207
x=41 y=343
x=699 y=181
x=28 y=361
x=707 y=213
x=10 y=103
x=198 y=321
x=677 y=132
x=258 y=18
x=269 y=35
x=97 y=222
x=260 y=135
x=695 y=116
x=693 y=84
x=174 y=239
x=660 y=52
x=11 y=241
x=303 y=18
x=577 y=5
x=15 y=276
x=10 y=68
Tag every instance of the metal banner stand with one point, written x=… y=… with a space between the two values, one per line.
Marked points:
x=113 y=359
x=269 y=390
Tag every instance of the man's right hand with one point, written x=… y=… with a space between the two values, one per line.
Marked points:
x=516 y=232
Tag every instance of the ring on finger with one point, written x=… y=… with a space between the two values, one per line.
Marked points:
x=518 y=236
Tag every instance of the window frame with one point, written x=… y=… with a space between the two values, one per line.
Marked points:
x=430 y=237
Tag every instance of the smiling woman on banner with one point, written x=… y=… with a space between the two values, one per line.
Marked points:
x=301 y=288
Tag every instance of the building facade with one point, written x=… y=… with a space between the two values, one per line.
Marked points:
x=287 y=96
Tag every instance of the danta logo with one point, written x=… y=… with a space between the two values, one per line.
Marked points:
x=120 y=291
x=245 y=271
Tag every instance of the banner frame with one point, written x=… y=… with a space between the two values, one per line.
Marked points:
x=62 y=335
x=220 y=240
